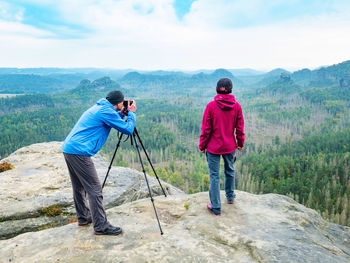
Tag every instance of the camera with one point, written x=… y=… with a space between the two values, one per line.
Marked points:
x=125 y=104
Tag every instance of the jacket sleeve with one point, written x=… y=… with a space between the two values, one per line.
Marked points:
x=120 y=114
x=240 y=128
x=113 y=119
x=206 y=129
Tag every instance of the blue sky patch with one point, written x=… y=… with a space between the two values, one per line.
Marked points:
x=48 y=18
x=182 y=7
x=274 y=12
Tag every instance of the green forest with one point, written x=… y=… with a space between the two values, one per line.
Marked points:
x=297 y=127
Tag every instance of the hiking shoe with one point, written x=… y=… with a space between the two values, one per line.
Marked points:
x=212 y=211
x=231 y=201
x=89 y=221
x=111 y=231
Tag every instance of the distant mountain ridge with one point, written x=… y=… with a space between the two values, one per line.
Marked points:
x=216 y=75
x=284 y=85
x=176 y=83
x=30 y=83
x=153 y=76
x=325 y=76
x=104 y=84
x=53 y=80
x=321 y=77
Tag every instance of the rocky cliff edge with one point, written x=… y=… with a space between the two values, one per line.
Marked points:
x=37 y=193
x=256 y=228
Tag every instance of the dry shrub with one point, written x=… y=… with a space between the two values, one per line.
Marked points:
x=72 y=220
x=5 y=166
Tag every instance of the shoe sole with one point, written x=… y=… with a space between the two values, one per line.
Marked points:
x=79 y=224
x=211 y=211
x=231 y=202
x=85 y=224
x=103 y=234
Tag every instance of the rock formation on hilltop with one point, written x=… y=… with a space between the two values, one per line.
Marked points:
x=256 y=228
x=39 y=186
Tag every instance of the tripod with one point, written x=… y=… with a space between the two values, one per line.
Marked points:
x=134 y=137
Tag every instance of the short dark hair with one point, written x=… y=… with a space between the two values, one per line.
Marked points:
x=224 y=86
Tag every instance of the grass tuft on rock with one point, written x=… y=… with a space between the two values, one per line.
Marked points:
x=52 y=210
x=51 y=225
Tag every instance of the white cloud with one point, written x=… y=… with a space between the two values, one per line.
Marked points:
x=148 y=35
x=10 y=12
x=17 y=29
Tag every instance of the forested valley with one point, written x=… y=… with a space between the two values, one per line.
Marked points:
x=296 y=123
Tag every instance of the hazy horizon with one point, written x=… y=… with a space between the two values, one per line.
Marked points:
x=262 y=70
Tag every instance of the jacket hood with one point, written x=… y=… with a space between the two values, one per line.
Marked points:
x=105 y=102
x=225 y=101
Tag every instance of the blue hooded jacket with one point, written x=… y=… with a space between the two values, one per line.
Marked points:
x=91 y=131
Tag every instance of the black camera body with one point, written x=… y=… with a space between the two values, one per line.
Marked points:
x=125 y=104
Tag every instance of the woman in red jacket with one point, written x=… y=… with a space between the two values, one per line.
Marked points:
x=222 y=133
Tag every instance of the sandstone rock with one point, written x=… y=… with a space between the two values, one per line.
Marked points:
x=41 y=179
x=265 y=228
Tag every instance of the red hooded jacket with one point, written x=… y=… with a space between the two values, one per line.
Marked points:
x=222 y=125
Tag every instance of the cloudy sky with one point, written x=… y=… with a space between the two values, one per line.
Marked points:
x=174 y=34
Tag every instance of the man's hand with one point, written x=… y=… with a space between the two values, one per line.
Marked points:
x=132 y=107
x=240 y=148
x=202 y=151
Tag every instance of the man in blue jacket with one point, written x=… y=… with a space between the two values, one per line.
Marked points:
x=85 y=140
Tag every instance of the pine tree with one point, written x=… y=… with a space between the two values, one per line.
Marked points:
x=336 y=219
x=343 y=218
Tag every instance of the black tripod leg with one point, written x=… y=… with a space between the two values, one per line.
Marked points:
x=149 y=189
x=110 y=165
x=149 y=160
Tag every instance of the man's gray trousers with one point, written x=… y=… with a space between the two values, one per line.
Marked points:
x=85 y=182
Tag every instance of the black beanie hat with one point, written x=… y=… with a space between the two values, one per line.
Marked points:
x=224 y=86
x=115 y=97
